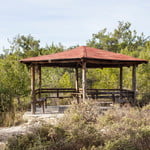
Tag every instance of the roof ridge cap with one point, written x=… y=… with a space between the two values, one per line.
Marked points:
x=84 y=51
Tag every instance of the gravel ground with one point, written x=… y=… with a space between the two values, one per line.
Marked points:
x=32 y=121
x=51 y=115
x=7 y=132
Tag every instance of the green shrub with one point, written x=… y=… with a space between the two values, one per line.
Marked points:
x=84 y=127
x=137 y=141
x=143 y=99
x=45 y=137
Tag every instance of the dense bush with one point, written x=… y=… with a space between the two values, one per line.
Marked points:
x=85 y=127
x=126 y=129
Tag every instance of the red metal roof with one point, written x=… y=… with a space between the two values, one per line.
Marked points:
x=84 y=52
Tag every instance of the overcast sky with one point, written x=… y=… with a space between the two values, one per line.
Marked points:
x=69 y=22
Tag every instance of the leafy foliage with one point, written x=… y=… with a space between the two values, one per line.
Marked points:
x=15 y=77
x=121 y=38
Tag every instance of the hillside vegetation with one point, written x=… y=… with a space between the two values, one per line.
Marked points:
x=15 y=77
x=85 y=127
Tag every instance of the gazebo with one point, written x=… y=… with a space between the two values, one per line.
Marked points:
x=82 y=57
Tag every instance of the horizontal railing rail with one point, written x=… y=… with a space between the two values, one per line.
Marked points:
x=91 y=93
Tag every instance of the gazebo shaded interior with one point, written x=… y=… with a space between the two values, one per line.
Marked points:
x=83 y=57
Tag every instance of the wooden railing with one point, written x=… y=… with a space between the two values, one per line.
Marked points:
x=108 y=93
x=55 y=92
x=116 y=95
x=91 y=93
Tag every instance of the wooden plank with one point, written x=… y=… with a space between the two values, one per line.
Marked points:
x=111 y=62
x=77 y=83
x=43 y=107
x=84 y=81
x=57 y=93
x=134 y=82
x=39 y=80
x=57 y=89
x=61 y=97
x=121 y=78
x=91 y=63
x=77 y=80
x=33 y=104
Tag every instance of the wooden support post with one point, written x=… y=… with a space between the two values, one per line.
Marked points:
x=77 y=83
x=57 y=93
x=77 y=80
x=121 y=78
x=43 y=107
x=134 y=82
x=39 y=80
x=84 y=81
x=33 y=103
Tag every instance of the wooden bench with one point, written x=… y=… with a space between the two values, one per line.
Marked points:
x=42 y=102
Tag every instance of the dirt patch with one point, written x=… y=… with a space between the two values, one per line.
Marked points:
x=32 y=122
